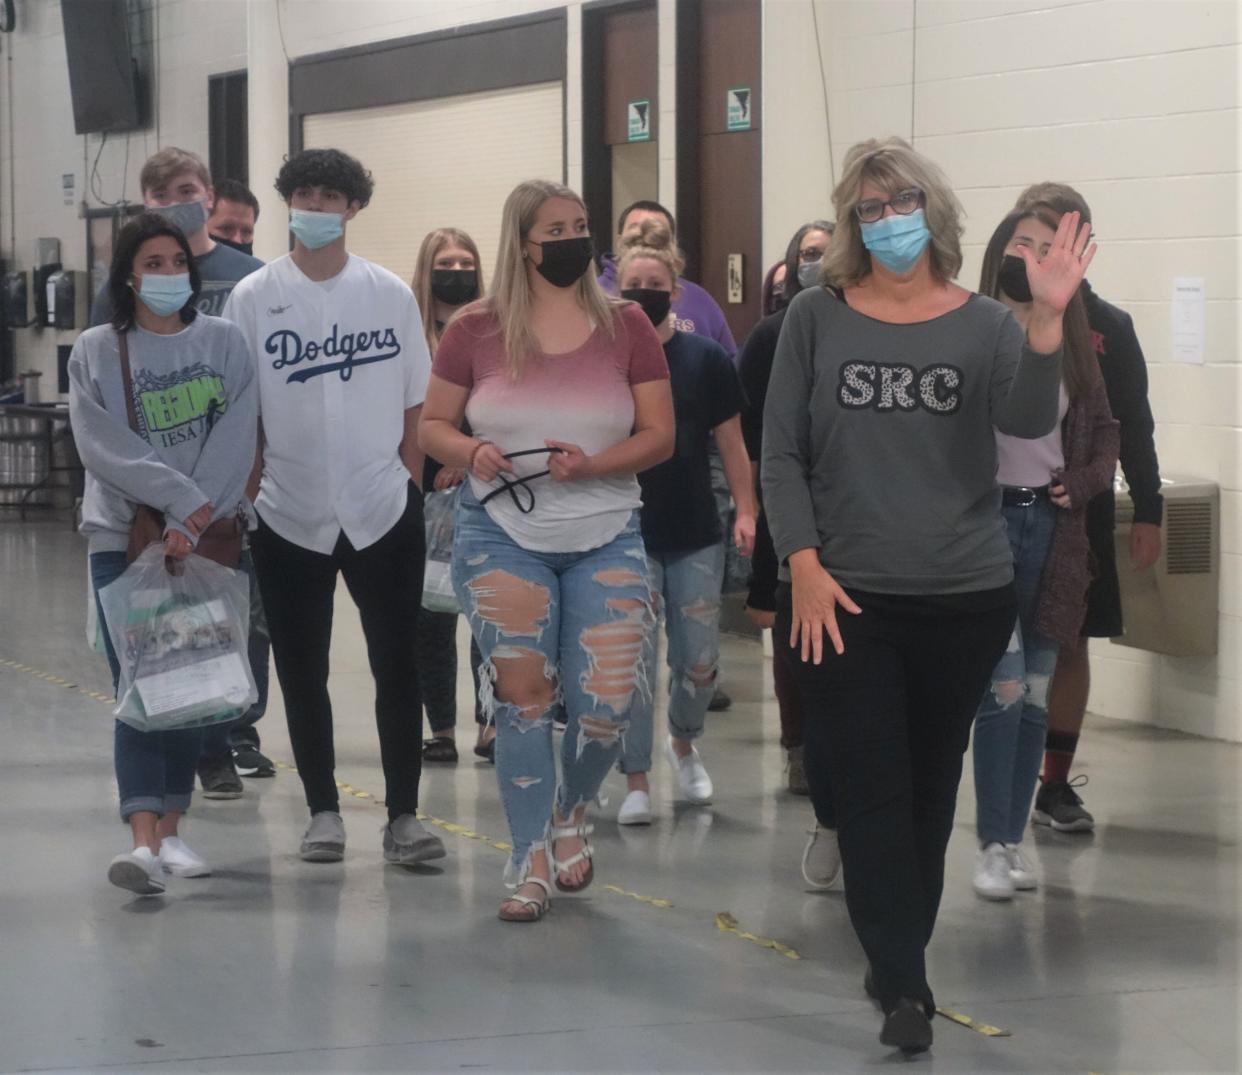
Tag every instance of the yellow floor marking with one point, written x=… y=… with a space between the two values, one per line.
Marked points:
x=726 y=923
x=662 y=904
x=970 y=1024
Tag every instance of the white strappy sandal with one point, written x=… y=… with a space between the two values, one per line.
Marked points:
x=540 y=905
x=560 y=866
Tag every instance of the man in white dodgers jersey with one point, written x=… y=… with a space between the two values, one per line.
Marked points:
x=342 y=367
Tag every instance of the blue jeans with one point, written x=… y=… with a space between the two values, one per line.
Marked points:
x=580 y=620
x=686 y=586
x=154 y=770
x=220 y=739
x=1013 y=717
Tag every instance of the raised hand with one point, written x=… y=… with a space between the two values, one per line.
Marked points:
x=1055 y=279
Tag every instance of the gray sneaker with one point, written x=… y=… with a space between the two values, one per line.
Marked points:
x=407 y=841
x=324 y=840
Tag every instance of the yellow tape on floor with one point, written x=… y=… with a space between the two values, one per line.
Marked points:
x=726 y=923
x=970 y=1024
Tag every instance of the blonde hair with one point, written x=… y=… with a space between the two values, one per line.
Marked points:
x=169 y=163
x=511 y=298
x=432 y=244
x=891 y=164
x=654 y=239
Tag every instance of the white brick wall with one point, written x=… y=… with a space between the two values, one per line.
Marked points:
x=1136 y=103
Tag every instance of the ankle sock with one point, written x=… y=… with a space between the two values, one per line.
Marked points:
x=1059 y=748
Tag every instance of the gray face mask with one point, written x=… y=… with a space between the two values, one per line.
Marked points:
x=808 y=273
x=190 y=217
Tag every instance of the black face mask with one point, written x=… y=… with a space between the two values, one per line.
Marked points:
x=655 y=303
x=1012 y=279
x=455 y=287
x=245 y=248
x=565 y=260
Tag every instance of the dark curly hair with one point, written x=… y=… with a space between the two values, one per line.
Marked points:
x=328 y=168
x=143 y=227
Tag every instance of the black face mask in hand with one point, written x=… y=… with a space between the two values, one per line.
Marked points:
x=455 y=287
x=655 y=303
x=526 y=502
x=1013 y=280
x=565 y=260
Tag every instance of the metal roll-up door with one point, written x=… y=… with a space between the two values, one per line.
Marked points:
x=447 y=162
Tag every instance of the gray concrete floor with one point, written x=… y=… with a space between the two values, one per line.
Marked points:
x=1125 y=960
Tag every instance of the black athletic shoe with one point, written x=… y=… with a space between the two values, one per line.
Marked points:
x=1057 y=804
x=720 y=701
x=219 y=777
x=907 y=1027
x=250 y=762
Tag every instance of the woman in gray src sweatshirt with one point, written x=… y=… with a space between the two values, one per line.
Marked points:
x=186 y=452
x=879 y=480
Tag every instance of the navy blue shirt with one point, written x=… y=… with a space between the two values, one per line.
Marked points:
x=679 y=510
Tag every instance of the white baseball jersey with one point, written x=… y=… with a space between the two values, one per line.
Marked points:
x=339 y=362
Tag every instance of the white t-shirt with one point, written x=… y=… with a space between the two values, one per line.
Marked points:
x=339 y=363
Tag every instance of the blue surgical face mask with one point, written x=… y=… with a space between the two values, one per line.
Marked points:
x=897 y=242
x=314 y=230
x=165 y=295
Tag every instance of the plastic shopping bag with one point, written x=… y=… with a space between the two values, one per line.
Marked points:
x=439 y=509
x=181 y=642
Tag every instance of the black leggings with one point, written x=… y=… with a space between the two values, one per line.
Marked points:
x=386 y=582
x=888 y=722
x=437 y=670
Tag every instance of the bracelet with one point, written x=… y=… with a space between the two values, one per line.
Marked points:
x=477 y=447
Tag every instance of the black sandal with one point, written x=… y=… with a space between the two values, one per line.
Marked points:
x=440 y=748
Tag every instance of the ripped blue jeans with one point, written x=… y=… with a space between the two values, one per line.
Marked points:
x=1013 y=717
x=687 y=587
x=569 y=629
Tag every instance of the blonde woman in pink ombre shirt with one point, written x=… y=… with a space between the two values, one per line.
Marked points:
x=567 y=394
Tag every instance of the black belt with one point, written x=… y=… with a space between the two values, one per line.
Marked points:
x=1022 y=496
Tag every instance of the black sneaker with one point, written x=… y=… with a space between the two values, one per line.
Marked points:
x=219 y=777
x=720 y=701
x=1058 y=805
x=250 y=762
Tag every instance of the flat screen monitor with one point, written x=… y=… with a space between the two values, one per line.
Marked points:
x=102 y=76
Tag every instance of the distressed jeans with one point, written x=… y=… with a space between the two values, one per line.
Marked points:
x=1013 y=717
x=584 y=619
x=686 y=589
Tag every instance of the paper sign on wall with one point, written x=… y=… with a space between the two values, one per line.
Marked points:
x=737 y=108
x=1188 y=319
x=68 y=183
x=639 y=116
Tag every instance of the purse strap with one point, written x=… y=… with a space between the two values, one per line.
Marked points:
x=127 y=380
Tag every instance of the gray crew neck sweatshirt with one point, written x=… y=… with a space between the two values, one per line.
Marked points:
x=878 y=444
x=196 y=402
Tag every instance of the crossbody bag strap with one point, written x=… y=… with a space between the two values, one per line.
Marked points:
x=127 y=380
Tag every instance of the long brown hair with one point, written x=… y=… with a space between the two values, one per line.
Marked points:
x=434 y=242
x=1080 y=368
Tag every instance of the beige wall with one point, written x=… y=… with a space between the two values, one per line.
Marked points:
x=1135 y=102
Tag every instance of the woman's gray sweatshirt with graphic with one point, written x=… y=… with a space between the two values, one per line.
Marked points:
x=197 y=407
x=878 y=445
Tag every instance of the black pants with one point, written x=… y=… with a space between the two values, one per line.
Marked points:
x=386 y=582
x=888 y=721
x=437 y=670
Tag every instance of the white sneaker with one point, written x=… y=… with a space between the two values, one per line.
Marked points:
x=992 y=880
x=821 y=858
x=138 y=871
x=1021 y=871
x=635 y=809
x=179 y=860
x=692 y=779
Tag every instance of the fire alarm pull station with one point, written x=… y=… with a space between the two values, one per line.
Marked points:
x=735 y=278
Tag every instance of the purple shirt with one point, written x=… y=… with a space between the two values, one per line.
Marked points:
x=694 y=310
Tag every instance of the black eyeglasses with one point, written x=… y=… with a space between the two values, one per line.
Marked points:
x=525 y=503
x=811 y=253
x=903 y=202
